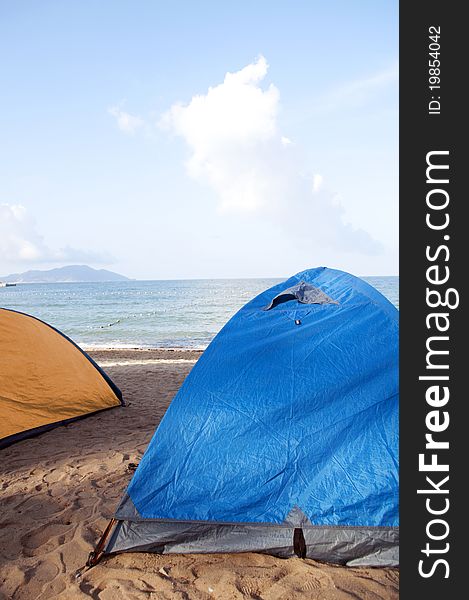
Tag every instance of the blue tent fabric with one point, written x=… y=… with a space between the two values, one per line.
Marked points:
x=288 y=420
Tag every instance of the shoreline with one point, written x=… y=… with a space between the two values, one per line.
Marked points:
x=116 y=357
x=92 y=349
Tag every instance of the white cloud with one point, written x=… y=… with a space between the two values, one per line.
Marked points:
x=359 y=91
x=224 y=129
x=22 y=244
x=317 y=182
x=236 y=149
x=383 y=78
x=19 y=240
x=125 y=121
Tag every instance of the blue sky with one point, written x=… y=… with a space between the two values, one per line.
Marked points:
x=124 y=145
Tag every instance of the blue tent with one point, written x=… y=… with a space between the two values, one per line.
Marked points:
x=284 y=437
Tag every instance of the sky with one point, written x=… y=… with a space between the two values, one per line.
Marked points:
x=199 y=139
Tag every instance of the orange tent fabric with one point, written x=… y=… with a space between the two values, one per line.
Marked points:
x=45 y=379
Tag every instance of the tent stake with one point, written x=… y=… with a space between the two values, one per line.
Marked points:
x=96 y=555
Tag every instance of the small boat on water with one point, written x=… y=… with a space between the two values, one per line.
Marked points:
x=6 y=284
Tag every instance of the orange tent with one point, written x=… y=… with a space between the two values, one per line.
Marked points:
x=45 y=379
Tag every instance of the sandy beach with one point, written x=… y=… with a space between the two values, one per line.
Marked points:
x=60 y=488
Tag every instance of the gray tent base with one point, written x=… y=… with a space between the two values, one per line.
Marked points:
x=351 y=546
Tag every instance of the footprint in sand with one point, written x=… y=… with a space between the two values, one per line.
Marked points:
x=313 y=584
x=46 y=538
x=11 y=579
x=37 y=582
x=42 y=573
x=249 y=591
x=53 y=476
x=53 y=589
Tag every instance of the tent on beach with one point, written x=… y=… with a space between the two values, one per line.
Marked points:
x=45 y=379
x=283 y=439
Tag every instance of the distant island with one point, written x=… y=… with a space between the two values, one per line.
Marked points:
x=70 y=274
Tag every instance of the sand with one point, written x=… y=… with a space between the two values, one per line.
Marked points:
x=59 y=489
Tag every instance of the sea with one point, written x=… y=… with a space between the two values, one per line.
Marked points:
x=146 y=314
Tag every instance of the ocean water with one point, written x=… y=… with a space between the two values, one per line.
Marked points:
x=146 y=314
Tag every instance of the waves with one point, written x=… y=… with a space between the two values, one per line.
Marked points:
x=146 y=314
